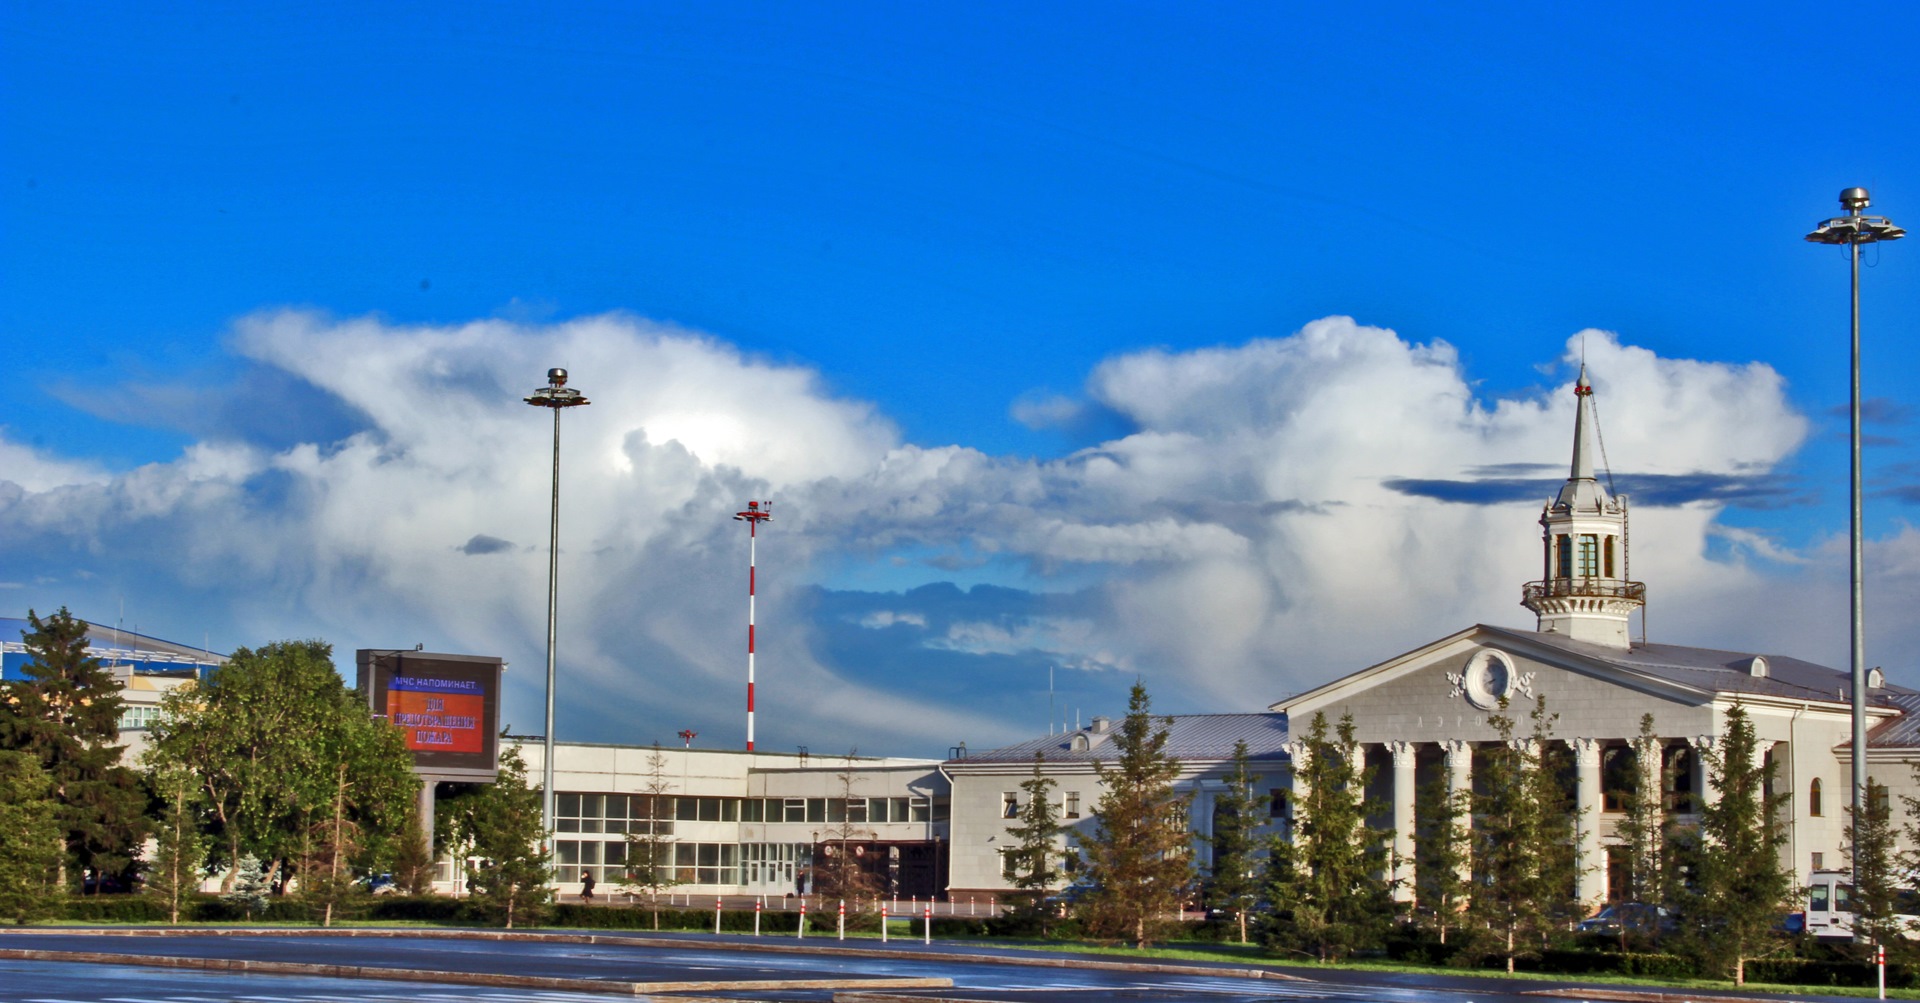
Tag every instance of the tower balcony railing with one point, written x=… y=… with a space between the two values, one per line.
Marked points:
x=1583 y=588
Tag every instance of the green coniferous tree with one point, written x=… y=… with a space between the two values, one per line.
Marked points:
x=1442 y=854
x=65 y=712
x=250 y=885
x=1239 y=811
x=30 y=839
x=1139 y=855
x=180 y=849
x=1525 y=859
x=413 y=857
x=650 y=839
x=1872 y=854
x=1738 y=888
x=1036 y=850
x=501 y=823
x=1327 y=878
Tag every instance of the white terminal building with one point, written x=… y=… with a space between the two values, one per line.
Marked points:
x=756 y=822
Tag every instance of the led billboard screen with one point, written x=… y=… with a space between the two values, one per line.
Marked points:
x=447 y=706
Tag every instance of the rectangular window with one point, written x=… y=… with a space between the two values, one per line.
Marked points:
x=816 y=809
x=1072 y=809
x=1276 y=803
x=877 y=810
x=753 y=810
x=1589 y=555
x=1009 y=864
x=836 y=810
x=1609 y=555
x=1819 y=864
x=729 y=809
x=857 y=810
x=796 y=810
x=1563 y=551
x=1010 y=805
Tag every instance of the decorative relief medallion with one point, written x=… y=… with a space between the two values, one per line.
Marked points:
x=1488 y=678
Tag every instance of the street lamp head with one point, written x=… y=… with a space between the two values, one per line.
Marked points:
x=556 y=394
x=1854 y=199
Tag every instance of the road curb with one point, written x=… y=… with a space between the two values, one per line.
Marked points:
x=770 y=947
x=461 y=978
x=1633 y=996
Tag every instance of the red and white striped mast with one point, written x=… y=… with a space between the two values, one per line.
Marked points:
x=756 y=513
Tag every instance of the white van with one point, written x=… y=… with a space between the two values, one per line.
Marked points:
x=1829 y=907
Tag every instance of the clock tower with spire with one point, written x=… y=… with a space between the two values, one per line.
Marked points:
x=1584 y=592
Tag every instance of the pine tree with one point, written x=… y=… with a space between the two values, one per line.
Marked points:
x=29 y=839
x=180 y=850
x=1328 y=880
x=1871 y=853
x=1739 y=889
x=1036 y=850
x=1139 y=855
x=65 y=712
x=843 y=875
x=413 y=857
x=1442 y=853
x=502 y=824
x=1642 y=826
x=650 y=850
x=1524 y=848
x=1238 y=813
x=249 y=885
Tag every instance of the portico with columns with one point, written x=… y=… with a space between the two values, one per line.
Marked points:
x=1424 y=716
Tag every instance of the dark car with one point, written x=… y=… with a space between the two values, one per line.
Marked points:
x=1633 y=917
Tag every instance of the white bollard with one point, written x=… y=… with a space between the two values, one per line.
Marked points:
x=757 y=903
x=716 y=914
x=927 y=937
x=800 y=932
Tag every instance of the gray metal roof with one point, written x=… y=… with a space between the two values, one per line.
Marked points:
x=1716 y=671
x=1191 y=737
x=1902 y=732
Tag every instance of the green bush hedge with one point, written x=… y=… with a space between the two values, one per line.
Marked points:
x=1801 y=972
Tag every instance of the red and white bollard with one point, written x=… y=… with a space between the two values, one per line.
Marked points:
x=800 y=932
x=1880 y=965
x=756 y=916
x=716 y=914
x=843 y=919
x=927 y=937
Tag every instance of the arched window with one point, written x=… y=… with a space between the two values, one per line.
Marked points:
x=1813 y=798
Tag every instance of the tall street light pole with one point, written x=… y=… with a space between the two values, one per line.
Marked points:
x=556 y=395
x=1855 y=229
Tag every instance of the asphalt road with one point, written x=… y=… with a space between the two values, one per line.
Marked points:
x=699 y=959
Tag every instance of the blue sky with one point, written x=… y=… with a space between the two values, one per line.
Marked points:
x=987 y=229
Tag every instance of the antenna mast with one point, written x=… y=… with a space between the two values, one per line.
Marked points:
x=756 y=513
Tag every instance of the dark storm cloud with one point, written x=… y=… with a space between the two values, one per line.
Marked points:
x=1657 y=490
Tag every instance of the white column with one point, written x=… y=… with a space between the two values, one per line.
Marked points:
x=1460 y=778
x=1403 y=794
x=1296 y=785
x=1704 y=792
x=1591 y=885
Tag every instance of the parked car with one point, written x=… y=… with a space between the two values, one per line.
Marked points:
x=1631 y=917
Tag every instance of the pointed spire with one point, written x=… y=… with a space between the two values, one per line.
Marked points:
x=1582 y=490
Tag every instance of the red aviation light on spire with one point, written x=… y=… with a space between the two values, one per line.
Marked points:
x=757 y=512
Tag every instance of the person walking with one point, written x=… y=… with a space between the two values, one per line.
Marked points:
x=586 y=886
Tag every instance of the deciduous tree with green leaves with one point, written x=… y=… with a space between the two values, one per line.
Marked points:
x=1239 y=811
x=289 y=759
x=501 y=824
x=1326 y=877
x=1738 y=888
x=1525 y=856
x=180 y=849
x=1139 y=855
x=64 y=711
x=30 y=839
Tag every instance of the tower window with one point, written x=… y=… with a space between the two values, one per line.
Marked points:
x=1589 y=555
x=1563 y=549
x=1608 y=554
x=1814 y=807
